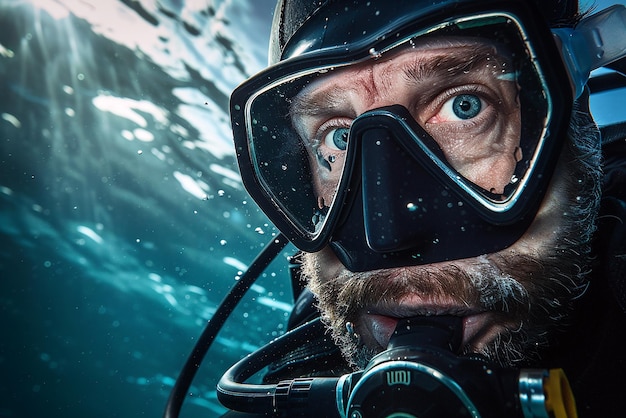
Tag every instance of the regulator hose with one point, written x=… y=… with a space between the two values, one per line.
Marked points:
x=300 y=395
x=247 y=279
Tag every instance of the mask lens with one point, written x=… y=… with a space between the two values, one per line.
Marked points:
x=291 y=166
x=473 y=85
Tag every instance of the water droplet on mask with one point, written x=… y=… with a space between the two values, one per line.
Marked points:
x=374 y=54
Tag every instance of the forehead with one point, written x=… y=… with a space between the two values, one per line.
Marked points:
x=424 y=60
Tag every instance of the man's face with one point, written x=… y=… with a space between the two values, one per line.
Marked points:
x=509 y=300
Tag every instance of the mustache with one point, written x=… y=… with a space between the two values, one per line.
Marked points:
x=535 y=296
x=480 y=285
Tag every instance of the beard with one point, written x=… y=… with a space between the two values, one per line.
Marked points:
x=529 y=302
x=530 y=295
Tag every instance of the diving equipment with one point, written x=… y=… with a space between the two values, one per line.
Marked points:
x=419 y=375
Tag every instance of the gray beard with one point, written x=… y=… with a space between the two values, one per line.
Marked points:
x=535 y=293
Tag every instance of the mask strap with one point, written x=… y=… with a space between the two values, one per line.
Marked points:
x=596 y=41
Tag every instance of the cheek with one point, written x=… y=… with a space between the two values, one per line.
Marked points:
x=550 y=219
x=325 y=192
x=323 y=265
x=493 y=173
x=326 y=177
x=489 y=158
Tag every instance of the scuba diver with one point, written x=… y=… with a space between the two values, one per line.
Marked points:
x=459 y=215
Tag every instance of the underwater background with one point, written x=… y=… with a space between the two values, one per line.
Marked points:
x=123 y=220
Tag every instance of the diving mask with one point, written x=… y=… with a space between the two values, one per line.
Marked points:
x=398 y=137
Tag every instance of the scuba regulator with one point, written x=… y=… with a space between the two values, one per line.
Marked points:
x=419 y=375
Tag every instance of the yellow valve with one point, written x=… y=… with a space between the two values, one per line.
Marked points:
x=559 y=397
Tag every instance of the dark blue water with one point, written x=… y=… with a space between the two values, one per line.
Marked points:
x=123 y=221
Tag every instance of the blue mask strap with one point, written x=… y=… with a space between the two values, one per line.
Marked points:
x=595 y=42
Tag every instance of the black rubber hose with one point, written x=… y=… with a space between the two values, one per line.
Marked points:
x=260 y=263
x=234 y=394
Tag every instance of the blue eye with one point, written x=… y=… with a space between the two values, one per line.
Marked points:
x=337 y=139
x=466 y=106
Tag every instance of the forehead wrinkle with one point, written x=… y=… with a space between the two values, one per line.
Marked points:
x=450 y=62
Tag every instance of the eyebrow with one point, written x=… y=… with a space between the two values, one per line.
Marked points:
x=318 y=103
x=454 y=64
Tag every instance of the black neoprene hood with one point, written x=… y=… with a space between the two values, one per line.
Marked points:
x=290 y=15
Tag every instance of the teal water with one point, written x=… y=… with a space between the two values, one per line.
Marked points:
x=123 y=221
